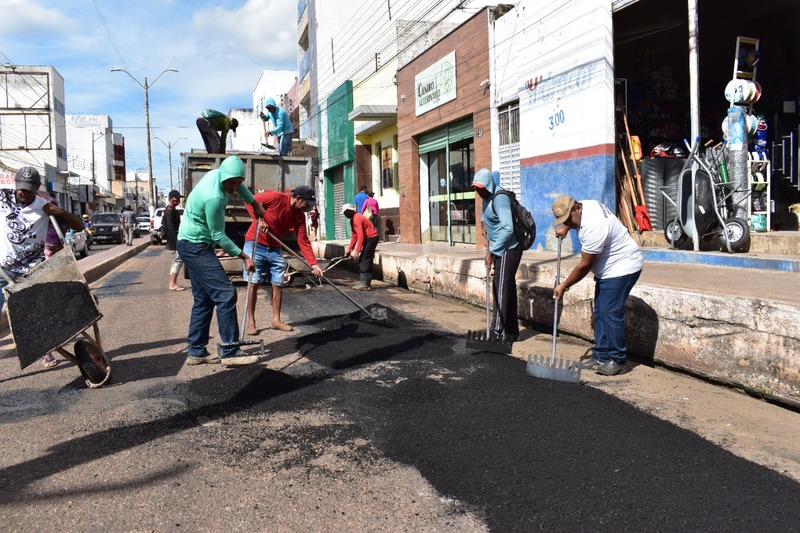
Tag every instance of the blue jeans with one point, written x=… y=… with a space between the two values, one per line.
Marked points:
x=269 y=260
x=210 y=288
x=609 y=317
x=285 y=143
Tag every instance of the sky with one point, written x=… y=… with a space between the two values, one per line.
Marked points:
x=219 y=49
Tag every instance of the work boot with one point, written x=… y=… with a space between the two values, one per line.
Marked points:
x=364 y=282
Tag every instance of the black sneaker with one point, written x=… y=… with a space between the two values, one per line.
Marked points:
x=590 y=364
x=610 y=368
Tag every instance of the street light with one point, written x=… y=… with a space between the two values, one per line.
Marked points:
x=169 y=151
x=146 y=86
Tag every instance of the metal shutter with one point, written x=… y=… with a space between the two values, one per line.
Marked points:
x=509 y=168
x=339 y=221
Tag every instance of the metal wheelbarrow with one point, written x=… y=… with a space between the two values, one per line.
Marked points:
x=49 y=309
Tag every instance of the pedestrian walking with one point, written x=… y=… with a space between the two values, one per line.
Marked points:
x=503 y=254
x=313 y=224
x=283 y=212
x=360 y=198
x=214 y=127
x=371 y=210
x=362 y=245
x=128 y=223
x=170 y=224
x=203 y=226
x=611 y=254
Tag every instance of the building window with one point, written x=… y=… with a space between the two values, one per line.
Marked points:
x=59 y=106
x=61 y=152
x=508 y=118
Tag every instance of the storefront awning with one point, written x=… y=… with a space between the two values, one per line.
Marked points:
x=373 y=118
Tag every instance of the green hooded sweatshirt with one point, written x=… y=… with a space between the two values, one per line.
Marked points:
x=203 y=219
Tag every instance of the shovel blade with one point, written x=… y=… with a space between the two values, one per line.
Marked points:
x=553 y=369
x=479 y=341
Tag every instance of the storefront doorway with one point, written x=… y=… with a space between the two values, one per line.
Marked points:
x=447 y=160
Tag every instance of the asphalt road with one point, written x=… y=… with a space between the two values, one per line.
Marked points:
x=347 y=424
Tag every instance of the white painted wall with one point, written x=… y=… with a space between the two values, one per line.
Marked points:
x=81 y=130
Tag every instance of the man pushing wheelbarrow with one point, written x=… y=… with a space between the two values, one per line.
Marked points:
x=32 y=286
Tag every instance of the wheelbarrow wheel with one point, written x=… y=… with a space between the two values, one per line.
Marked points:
x=738 y=234
x=92 y=363
x=675 y=235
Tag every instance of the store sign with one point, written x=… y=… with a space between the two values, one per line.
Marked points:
x=436 y=84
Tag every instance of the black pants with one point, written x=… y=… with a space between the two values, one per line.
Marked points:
x=210 y=136
x=367 y=255
x=505 y=292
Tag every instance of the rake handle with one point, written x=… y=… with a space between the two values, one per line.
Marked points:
x=555 y=301
x=249 y=283
x=488 y=291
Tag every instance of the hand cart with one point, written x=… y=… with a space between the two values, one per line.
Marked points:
x=49 y=309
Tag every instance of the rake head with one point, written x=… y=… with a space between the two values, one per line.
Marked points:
x=478 y=340
x=540 y=366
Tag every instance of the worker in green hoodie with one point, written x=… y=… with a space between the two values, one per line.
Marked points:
x=209 y=123
x=203 y=227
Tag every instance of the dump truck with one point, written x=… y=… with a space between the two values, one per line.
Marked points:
x=263 y=172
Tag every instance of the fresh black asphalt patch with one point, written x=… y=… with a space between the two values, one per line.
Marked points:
x=527 y=453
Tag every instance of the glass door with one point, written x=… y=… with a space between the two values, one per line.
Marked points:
x=451 y=202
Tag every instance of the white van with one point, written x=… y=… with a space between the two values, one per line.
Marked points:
x=155 y=225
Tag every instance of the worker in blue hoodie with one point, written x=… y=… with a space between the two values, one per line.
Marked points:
x=281 y=125
x=503 y=253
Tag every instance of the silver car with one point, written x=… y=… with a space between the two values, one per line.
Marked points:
x=77 y=242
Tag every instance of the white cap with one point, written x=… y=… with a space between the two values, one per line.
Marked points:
x=347 y=207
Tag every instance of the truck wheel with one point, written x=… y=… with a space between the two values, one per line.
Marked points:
x=85 y=251
x=92 y=363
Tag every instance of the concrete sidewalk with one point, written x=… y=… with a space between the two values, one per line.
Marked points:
x=735 y=325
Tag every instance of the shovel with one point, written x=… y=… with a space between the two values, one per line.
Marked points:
x=541 y=366
x=378 y=314
x=485 y=341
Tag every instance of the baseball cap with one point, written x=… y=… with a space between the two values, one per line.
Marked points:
x=28 y=178
x=347 y=207
x=175 y=194
x=562 y=208
x=306 y=193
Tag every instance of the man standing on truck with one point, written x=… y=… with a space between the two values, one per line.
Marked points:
x=209 y=123
x=203 y=226
x=281 y=126
x=284 y=212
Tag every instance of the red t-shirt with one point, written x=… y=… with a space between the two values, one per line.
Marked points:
x=362 y=229
x=281 y=217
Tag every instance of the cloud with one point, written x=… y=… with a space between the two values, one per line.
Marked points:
x=21 y=17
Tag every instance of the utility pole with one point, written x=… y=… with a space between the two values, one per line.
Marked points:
x=169 y=146
x=94 y=173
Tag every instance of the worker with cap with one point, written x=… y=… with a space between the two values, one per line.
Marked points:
x=503 y=254
x=202 y=227
x=283 y=212
x=362 y=245
x=611 y=254
x=24 y=219
x=209 y=123
x=88 y=226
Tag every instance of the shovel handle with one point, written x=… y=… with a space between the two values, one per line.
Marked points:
x=249 y=283
x=488 y=295
x=555 y=301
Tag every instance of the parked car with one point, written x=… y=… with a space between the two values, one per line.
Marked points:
x=78 y=242
x=143 y=224
x=155 y=225
x=107 y=228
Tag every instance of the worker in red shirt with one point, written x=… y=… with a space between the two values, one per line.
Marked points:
x=282 y=212
x=362 y=245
